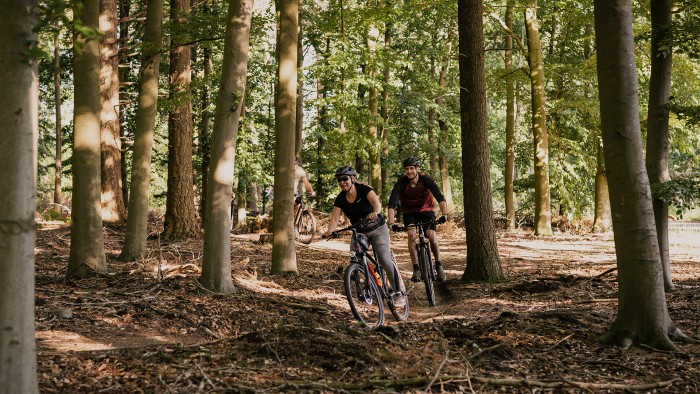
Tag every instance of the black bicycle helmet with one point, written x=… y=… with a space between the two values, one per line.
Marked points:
x=411 y=161
x=346 y=170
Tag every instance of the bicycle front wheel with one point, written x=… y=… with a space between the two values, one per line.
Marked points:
x=426 y=272
x=363 y=296
x=307 y=227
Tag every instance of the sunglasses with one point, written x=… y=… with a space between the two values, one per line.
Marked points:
x=342 y=179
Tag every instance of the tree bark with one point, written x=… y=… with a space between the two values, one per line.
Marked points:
x=87 y=255
x=19 y=127
x=283 y=248
x=543 y=213
x=216 y=264
x=180 y=212
x=483 y=263
x=657 y=124
x=602 y=221
x=135 y=245
x=124 y=77
x=57 y=194
x=113 y=206
x=642 y=313
x=510 y=122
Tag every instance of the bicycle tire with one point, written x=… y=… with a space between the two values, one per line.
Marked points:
x=426 y=273
x=363 y=296
x=307 y=227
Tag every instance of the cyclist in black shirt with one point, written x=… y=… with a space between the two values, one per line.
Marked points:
x=358 y=201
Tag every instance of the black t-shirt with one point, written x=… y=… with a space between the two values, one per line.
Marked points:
x=358 y=209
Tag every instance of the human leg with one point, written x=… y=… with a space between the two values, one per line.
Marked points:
x=382 y=249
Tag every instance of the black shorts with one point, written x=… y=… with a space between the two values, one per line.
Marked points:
x=418 y=217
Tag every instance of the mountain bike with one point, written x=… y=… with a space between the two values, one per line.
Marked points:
x=425 y=261
x=366 y=286
x=304 y=222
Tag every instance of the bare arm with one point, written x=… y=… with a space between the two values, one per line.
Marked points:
x=333 y=224
x=443 y=207
x=307 y=184
x=390 y=216
x=376 y=205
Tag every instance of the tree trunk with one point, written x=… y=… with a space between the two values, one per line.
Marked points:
x=374 y=148
x=657 y=124
x=135 y=245
x=216 y=265
x=19 y=104
x=483 y=263
x=510 y=122
x=543 y=213
x=642 y=313
x=602 y=221
x=180 y=212
x=440 y=100
x=283 y=251
x=57 y=195
x=87 y=255
x=434 y=145
x=113 y=207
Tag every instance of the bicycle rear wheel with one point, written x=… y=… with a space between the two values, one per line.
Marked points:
x=426 y=272
x=307 y=227
x=363 y=296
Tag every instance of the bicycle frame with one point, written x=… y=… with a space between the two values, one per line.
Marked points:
x=427 y=268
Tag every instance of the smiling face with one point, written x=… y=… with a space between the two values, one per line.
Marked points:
x=344 y=182
x=411 y=172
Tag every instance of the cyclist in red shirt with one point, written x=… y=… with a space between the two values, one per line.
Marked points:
x=415 y=192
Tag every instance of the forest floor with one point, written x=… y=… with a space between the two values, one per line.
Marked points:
x=145 y=329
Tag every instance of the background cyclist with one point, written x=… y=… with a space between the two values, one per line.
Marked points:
x=358 y=201
x=415 y=191
x=301 y=182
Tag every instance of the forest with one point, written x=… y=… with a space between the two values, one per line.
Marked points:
x=151 y=239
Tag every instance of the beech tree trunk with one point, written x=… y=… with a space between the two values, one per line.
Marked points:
x=299 y=123
x=135 y=245
x=57 y=194
x=19 y=104
x=642 y=312
x=87 y=255
x=216 y=264
x=510 y=122
x=483 y=262
x=657 y=124
x=180 y=212
x=283 y=248
x=602 y=221
x=113 y=206
x=543 y=212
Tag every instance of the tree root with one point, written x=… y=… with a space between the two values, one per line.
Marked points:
x=419 y=381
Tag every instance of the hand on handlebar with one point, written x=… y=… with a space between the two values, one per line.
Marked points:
x=395 y=228
x=442 y=219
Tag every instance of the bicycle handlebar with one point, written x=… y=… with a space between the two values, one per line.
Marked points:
x=352 y=227
x=414 y=225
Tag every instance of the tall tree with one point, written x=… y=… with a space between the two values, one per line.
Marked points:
x=642 y=312
x=543 y=212
x=124 y=79
x=283 y=251
x=657 y=122
x=510 y=121
x=135 y=245
x=216 y=264
x=57 y=195
x=113 y=206
x=374 y=146
x=19 y=106
x=483 y=263
x=87 y=254
x=299 y=123
x=180 y=212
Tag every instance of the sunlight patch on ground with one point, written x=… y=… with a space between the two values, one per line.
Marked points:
x=66 y=341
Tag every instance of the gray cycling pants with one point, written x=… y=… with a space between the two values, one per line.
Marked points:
x=381 y=244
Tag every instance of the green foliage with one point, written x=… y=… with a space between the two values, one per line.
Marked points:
x=682 y=193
